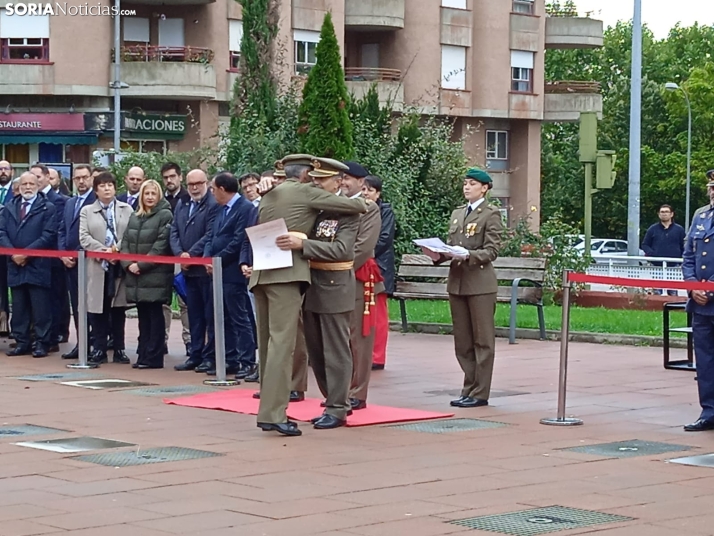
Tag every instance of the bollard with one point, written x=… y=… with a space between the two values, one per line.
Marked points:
x=82 y=342
x=561 y=419
x=219 y=329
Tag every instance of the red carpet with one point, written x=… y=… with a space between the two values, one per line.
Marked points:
x=242 y=401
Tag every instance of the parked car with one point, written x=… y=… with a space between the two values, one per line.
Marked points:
x=602 y=249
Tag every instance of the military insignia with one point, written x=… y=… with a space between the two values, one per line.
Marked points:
x=700 y=227
x=702 y=215
x=279 y=165
x=456 y=221
x=316 y=164
x=470 y=230
x=327 y=229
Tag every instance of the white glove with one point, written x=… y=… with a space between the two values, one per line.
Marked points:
x=460 y=253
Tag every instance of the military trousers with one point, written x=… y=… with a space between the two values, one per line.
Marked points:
x=362 y=348
x=475 y=341
x=328 y=345
x=278 y=310
x=703 y=338
x=299 y=378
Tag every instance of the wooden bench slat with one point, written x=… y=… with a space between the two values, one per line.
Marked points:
x=437 y=291
x=507 y=274
x=442 y=272
x=501 y=262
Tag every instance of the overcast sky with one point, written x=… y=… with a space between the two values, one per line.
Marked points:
x=659 y=15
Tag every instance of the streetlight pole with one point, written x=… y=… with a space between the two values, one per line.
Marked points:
x=117 y=78
x=633 y=193
x=671 y=86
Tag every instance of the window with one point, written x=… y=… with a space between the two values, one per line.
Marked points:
x=235 y=36
x=497 y=144
x=136 y=30
x=145 y=146
x=458 y=4
x=522 y=71
x=305 y=50
x=24 y=39
x=523 y=6
x=453 y=67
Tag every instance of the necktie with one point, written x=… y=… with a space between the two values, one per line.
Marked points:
x=191 y=208
x=77 y=207
x=23 y=210
x=132 y=201
x=225 y=214
x=3 y=194
x=469 y=210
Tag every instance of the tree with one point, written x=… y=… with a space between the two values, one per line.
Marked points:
x=325 y=128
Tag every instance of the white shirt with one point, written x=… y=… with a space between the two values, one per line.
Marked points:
x=475 y=204
x=256 y=202
x=358 y=194
x=46 y=189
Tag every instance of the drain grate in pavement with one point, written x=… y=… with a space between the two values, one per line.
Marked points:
x=457 y=393
x=107 y=384
x=18 y=430
x=539 y=521
x=628 y=449
x=705 y=460
x=448 y=426
x=56 y=376
x=145 y=457
x=75 y=444
x=171 y=390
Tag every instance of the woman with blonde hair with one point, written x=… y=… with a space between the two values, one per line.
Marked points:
x=149 y=285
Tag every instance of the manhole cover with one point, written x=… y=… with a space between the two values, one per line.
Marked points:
x=27 y=430
x=171 y=390
x=145 y=457
x=75 y=444
x=457 y=393
x=449 y=426
x=628 y=449
x=539 y=521
x=705 y=460
x=107 y=384
x=56 y=377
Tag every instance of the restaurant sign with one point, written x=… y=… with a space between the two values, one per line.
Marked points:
x=41 y=122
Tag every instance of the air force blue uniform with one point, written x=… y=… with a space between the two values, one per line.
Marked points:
x=699 y=266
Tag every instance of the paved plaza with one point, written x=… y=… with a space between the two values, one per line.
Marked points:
x=370 y=481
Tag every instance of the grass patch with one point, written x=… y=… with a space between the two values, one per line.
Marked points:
x=585 y=319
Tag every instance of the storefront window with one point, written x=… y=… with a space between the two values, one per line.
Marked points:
x=145 y=146
x=17 y=153
x=77 y=154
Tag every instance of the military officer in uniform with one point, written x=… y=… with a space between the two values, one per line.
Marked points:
x=279 y=293
x=329 y=301
x=475 y=229
x=699 y=266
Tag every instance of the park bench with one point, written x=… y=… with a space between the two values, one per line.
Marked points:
x=419 y=279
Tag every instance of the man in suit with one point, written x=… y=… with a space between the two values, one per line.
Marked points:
x=225 y=240
x=279 y=292
x=68 y=238
x=5 y=179
x=329 y=300
x=6 y=196
x=133 y=180
x=698 y=266
x=192 y=222
x=368 y=285
x=30 y=222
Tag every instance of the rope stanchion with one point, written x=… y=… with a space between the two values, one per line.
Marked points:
x=82 y=343
x=219 y=322
x=561 y=419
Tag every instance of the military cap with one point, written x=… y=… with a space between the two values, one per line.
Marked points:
x=356 y=170
x=279 y=169
x=479 y=175
x=292 y=159
x=326 y=167
x=710 y=177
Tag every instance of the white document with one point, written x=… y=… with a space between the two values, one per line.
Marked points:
x=266 y=254
x=437 y=246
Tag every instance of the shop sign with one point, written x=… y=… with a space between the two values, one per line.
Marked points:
x=154 y=124
x=41 y=122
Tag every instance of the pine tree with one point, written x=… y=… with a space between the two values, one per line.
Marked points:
x=325 y=128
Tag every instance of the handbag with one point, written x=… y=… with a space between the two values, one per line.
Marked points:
x=180 y=286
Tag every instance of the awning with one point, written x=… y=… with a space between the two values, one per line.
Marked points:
x=64 y=138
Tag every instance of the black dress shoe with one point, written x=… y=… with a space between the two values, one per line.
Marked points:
x=700 y=426
x=72 y=354
x=39 y=351
x=328 y=422
x=143 y=366
x=52 y=349
x=315 y=419
x=376 y=366
x=18 y=351
x=229 y=370
x=98 y=357
x=188 y=365
x=288 y=428
x=358 y=404
x=456 y=402
x=297 y=396
x=205 y=367
x=468 y=402
x=166 y=349
x=256 y=395
x=120 y=357
x=64 y=339
x=254 y=377
x=244 y=371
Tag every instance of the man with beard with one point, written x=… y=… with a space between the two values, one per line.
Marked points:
x=5 y=179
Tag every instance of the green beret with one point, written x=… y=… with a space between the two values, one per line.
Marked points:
x=479 y=175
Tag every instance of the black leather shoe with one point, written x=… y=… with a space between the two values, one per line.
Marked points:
x=187 y=365
x=64 y=339
x=244 y=371
x=358 y=404
x=98 y=357
x=376 y=366
x=254 y=377
x=328 y=422
x=700 y=426
x=39 y=351
x=288 y=428
x=229 y=370
x=468 y=402
x=142 y=366
x=256 y=395
x=52 y=349
x=297 y=396
x=188 y=349
x=18 y=351
x=205 y=367
x=315 y=419
x=120 y=357
x=72 y=354
x=166 y=349
x=456 y=402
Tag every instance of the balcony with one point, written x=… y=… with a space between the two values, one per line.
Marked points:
x=566 y=100
x=387 y=81
x=573 y=32
x=172 y=2
x=27 y=79
x=168 y=72
x=374 y=15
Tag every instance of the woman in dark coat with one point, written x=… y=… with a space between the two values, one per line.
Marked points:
x=384 y=254
x=149 y=285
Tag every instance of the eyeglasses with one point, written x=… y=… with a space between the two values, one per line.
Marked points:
x=195 y=184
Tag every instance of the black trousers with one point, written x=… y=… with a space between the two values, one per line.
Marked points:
x=31 y=305
x=111 y=321
x=199 y=301
x=152 y=334
x=60 y=303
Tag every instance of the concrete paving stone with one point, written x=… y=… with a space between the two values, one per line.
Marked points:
x=97 y=518
x=19 y=527
x=192 y=523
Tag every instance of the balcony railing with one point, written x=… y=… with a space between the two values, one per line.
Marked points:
x=372 y=74
x=572 y=86
x=144 y=53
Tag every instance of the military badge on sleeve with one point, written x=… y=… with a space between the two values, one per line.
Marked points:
x=327 y=229
x=471 y=229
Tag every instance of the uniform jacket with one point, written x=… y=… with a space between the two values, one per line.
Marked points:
x=384 y=250
x=227 y=237
x=92 y=234
x=370 y=227
x=300 y=205
x=174 y=200
x=332 y=240
x=148 y=234
x=699 y=257
x=37 y=231
x=189 y=234
x=68 y=236
x=480 y=233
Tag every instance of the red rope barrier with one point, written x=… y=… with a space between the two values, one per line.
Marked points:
x=641 y=283
x=157 y=259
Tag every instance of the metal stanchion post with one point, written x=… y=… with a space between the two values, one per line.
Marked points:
x=82 y=342
x=561 y=419
x=219 y=330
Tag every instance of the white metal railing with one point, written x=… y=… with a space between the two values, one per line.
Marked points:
x=636 y=268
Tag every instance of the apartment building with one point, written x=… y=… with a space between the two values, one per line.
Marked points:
x=478 y=62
